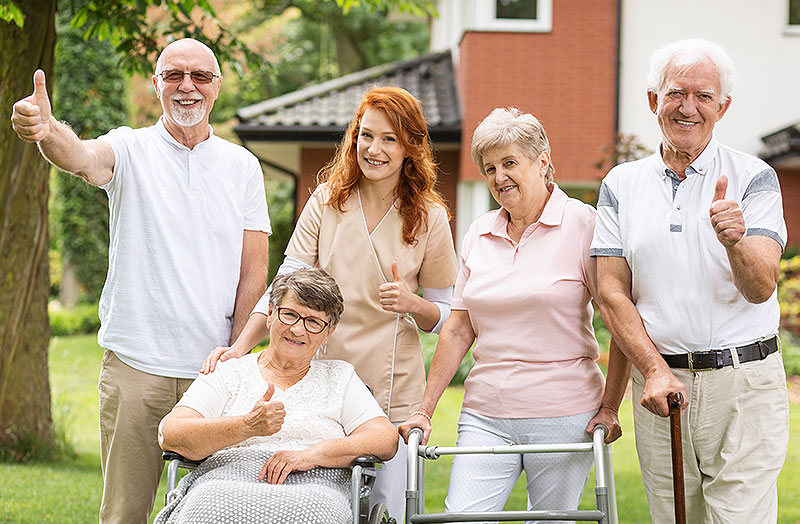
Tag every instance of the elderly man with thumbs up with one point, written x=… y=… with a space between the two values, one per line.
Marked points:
x=688 y=244
x=187 y=257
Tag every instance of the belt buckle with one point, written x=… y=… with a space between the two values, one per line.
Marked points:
x=717 y=360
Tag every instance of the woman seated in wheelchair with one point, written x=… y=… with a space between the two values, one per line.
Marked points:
x=267 y=420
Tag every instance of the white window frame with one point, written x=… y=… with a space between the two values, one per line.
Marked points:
x=488 y=21
x=789 y=29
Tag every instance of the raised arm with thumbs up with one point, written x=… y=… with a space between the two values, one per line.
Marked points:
x=397 y=297
x=32 y=120
x=31 y=115
x=726 y=216
x=755 y=260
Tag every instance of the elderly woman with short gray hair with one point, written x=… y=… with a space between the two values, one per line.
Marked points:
x=269 y=419
x=523 y=295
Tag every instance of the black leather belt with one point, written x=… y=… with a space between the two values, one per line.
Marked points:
x=719 y=358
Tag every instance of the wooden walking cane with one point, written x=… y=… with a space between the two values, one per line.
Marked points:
x=675 y=401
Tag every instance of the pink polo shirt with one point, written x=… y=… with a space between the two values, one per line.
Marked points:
x=530 y=307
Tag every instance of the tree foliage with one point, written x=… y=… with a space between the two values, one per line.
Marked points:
x=323 y=40
x=89 y=93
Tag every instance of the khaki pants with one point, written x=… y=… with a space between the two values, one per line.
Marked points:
x=735 y=432
x=132 y=403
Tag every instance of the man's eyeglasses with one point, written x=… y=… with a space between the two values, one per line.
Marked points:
x=175 y=76
x=290 y=317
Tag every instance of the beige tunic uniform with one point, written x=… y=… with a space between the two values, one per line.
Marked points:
x=338 y=243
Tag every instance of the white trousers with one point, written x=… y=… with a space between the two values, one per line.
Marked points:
x=734 y=432
x=555 y=481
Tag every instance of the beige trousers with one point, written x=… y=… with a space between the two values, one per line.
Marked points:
x=132 y=403
x=735 y=432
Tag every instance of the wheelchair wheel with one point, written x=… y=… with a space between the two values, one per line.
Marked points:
x=380 y=515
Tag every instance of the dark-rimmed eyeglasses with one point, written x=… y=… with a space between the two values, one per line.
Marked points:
x=175 y=76
x=290 y=317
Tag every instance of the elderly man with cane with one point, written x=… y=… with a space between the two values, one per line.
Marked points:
x=688 y=243
x=187 y=257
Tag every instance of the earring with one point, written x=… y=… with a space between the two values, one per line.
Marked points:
x=324 y=347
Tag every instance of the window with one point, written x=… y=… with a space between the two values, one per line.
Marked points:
x=793 y=17
x=526 y=16
x=794 y=12
x=517 y=9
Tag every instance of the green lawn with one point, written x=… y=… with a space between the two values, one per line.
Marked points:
x=69 y=490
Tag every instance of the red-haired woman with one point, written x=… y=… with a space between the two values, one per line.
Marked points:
x=379 y=227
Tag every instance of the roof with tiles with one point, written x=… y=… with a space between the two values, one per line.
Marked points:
x=322 y=111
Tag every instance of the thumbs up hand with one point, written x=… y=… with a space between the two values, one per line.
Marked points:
x=726 y=215
x=30 y=117
x=266 y=417
x=396 y=296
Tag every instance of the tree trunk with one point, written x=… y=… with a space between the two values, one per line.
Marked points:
x=25 y=420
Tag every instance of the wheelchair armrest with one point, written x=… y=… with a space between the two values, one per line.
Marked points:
x=174 y=455
x=368 y=461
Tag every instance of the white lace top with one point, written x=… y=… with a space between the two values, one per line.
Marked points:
x=329 y=402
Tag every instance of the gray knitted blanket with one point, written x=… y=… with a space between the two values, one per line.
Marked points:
x=225 y=489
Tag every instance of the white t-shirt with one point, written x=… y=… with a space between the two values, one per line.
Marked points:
x=177 y=217
x=329 y=402
x=682 y=283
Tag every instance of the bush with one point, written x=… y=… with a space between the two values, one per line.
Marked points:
x=80 y=319
x=429 y=341
x=789 y=294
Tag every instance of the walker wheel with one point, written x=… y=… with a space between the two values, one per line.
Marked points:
x=380 y=515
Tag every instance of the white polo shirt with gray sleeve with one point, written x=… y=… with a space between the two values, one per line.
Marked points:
x=681 y=278
x=177 y=219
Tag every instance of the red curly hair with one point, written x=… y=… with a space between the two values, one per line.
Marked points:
x=415 y=189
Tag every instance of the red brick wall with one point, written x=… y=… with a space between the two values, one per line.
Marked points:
x=790 y=189
x=312 y=160
x=566 y=78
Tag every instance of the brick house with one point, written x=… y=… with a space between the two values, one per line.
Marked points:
x=557 y=60
x=579 y=65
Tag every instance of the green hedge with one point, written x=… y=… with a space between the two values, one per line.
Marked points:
x=76 y=320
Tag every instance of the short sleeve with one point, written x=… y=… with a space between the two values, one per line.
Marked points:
x=439 y=265
x=256 y=215
x=588 y=263
x=358 y=406
x=607 y=241
x=463 y=273
x=118 y=139
x=762 y=207
x=304 y=244
x=208 y=394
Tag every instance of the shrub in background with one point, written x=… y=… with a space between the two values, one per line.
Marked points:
x=75 y=320
x=89 y=92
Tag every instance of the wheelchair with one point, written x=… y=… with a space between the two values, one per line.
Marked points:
x=605 y=494
x=362 y=479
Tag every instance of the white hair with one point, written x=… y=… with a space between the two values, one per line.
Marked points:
x=160 y=62
x=509 y=126
x=685 y=53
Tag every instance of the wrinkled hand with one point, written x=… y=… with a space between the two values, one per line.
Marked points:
x=415 y=421
x=221 y=353
x=30 y=117
x=726 y=215
x=656 y=389
x=265 y=418
x=606 y=417
x=279 y=465
x=396 y=296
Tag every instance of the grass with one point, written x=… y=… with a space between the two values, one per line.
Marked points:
x=69 y=490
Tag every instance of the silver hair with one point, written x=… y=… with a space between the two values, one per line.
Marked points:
x=685 y=53
x=314 y=288
x=507 y=126
x=160 y=61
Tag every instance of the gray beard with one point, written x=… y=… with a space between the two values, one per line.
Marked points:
x=190 y=116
